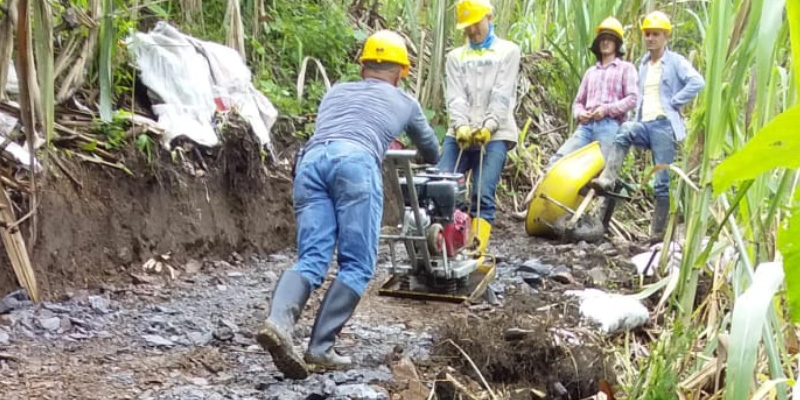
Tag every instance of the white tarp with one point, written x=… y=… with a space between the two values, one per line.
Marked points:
x=611 y=311
x=8 y=123
x=190 y=79
x=19 y=153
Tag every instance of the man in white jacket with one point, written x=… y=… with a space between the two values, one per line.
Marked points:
x=481 y=86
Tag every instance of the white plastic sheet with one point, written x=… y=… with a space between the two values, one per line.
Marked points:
x=611 y=311
x=190 y=79
x=647 y=262
x=19 y=153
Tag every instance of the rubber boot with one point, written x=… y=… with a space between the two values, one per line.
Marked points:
x=288 y=300
x=336 y=309
x=607 y=206
x=659 y=221
x=608 y=177
x=483 y=229
x=606 y=211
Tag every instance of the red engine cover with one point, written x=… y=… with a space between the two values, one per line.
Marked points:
x=456 y=234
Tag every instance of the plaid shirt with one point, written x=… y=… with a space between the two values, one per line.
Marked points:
x=613 y=86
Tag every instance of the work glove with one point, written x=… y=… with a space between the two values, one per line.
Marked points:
x=464 y=137
x=481 y=136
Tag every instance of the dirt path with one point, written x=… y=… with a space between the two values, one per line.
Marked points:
x=192 y=337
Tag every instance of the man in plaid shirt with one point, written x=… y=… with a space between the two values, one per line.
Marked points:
x=606 y=95
x=667 y=83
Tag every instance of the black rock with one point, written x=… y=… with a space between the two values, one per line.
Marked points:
x=536 y=267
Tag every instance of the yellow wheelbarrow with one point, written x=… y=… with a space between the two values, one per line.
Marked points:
x=562 y=198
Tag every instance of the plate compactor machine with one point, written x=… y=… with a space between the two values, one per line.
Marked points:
x=441 y=263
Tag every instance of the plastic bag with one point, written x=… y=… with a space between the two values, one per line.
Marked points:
x=190 y=79
x=613 y=312
x=180 y=79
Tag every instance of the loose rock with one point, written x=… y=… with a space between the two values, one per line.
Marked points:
x=535 y=266
x=99 y=303
x=223 y=334
x=193 y=266
x=270 y=276
x=277 y=258
x=157 y=341
x=50 y=324
x=200 y=338
x=66 y=325
x=360 y=392
x=562 y=274
x=598 y=275
x=56 y=308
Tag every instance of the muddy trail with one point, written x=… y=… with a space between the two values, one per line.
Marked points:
x=223 y=229
x=191 y=336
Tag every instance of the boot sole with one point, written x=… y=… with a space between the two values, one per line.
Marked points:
x=319 y=366
x=283 y=354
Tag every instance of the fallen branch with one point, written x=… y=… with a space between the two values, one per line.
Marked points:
x=66 y=171
x=14 y=185
x=475 y=368
x=97 y=160
x=15 y=247
x=461 y=388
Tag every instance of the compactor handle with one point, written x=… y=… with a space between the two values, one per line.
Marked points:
x=401 y=154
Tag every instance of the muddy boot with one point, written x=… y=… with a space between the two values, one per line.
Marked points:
x=336 y=309
x=606 y=211
x=608 y=178
x=288 y=300
x=659 y=221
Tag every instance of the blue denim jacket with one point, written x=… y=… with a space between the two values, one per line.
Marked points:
x=680 y=83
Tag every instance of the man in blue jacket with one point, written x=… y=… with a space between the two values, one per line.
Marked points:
x=667 y=81
x=338 y=196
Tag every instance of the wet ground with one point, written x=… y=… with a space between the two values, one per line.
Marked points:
x=192 y=336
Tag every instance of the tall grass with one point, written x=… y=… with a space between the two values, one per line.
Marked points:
x=105 y=60
x=741 y=48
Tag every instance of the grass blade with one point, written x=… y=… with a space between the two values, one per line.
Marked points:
x=793 y=16
x=776 y=145
x=747 y=326
x=106 y=54
x=43 y=32
x=789 y=245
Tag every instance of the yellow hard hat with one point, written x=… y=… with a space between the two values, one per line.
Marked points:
x=469 y=12
x=611 y=25
x=657 y=20
x=386 y=46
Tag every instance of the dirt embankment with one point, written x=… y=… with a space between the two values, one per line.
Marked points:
x=100 y=224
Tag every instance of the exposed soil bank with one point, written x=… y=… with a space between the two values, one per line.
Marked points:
x=91 y=233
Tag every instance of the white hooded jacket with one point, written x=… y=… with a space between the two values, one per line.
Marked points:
x=481 y=88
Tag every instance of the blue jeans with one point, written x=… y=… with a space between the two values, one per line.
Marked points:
x=602 y=131
x=338 y=194
x=656 y=136
x=493 y=161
